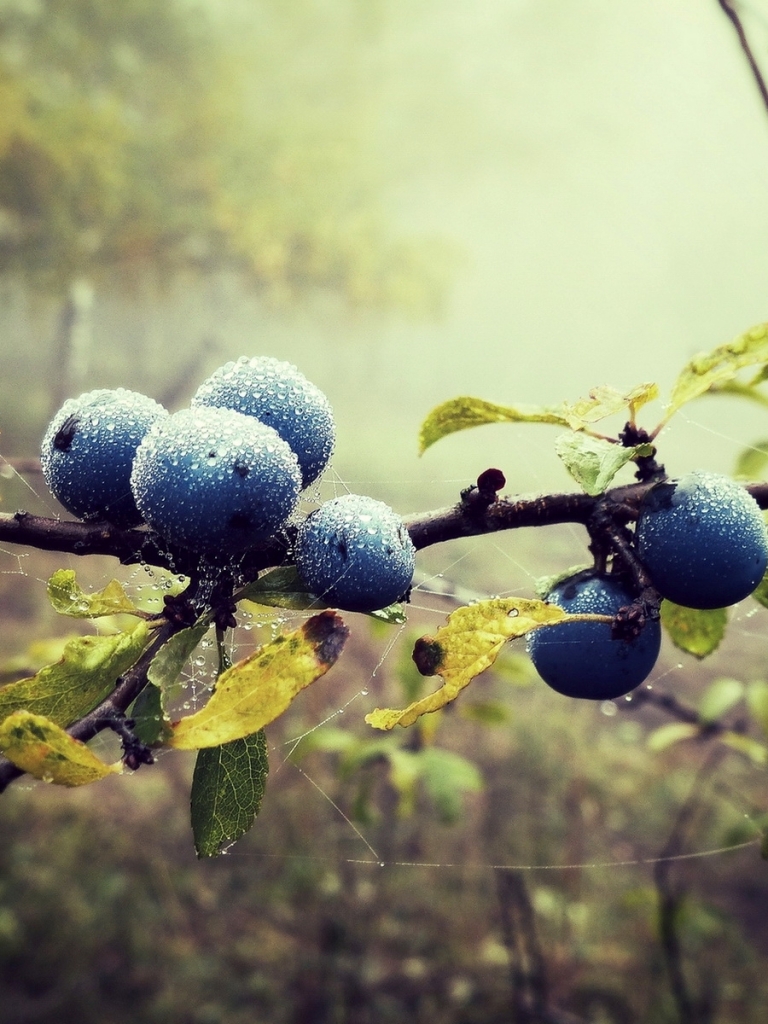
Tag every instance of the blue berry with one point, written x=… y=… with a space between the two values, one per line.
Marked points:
x=582 y=659
x=215 y=481
x=88 y=449
x=276 y=393
x=355 y=553
x=703 y=540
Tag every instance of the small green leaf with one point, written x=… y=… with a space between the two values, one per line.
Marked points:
x=719 y=697
x=149 y=716
x=760 y=594
x=755 y=751
x=751 y=463
x=280 y=588
x=447 y=777
x=672 y=732
x=467 y=645
x=757 y=702
x=228 y=786
x=713 y=369
x=488 y=712
x=694 y=630
x=393 y=615
x=68 y=598
x=465 y=412
x=261 y=687
x=593 y=462
x=84 y=676
x=170 y=660
x=44 y=750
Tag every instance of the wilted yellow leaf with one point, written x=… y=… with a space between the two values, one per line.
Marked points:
x=465 y=646
x=44 y=750
x=255 y=691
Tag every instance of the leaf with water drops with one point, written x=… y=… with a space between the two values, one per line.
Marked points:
x=227 y=789
x=169 y=661
x=593 y=462
x=262 y=686
x=85 y=674
x=44 y=750
x=698 y=631
x=68 y=598
x=465 y=646
x=710 y=370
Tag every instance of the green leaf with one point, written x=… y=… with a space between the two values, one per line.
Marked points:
x=593 y=462
x=751 y=463
x=713 y=369
x=68 y=598
x=447 y=777
x=694 y=630
x=749 y=391
x=754 y=750
x=719 y=697
x=488 y=712
x=228 y=785
x=467 y=645
x=84 y=676
x=149 y=716
x=393 y=615
x=44 y=750
x=672 y=732
x=466 y=412
x=760 y=593
x=259 y=688
x=280 y=588
x=170 y=660
x=757 y=701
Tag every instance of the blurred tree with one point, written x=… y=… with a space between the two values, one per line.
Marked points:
x=169 y=137
x=139 y=133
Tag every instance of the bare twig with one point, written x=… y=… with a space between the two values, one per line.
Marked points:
x=732 y=14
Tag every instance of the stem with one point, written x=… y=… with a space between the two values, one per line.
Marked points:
x=732 y=14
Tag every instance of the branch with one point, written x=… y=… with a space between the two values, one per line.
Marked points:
x=477 y=513
x=731 y=13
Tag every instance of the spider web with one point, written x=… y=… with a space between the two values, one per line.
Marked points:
x=455 y=580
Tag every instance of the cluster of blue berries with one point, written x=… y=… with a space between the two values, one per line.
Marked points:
x=227 y=474
x=703 y=543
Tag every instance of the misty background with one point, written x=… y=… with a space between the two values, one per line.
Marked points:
x=412 y=200
x=587 y=181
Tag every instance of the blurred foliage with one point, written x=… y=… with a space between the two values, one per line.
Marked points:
x=106 y=915
x=181 y=137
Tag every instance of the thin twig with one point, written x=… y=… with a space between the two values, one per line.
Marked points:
x=732 y=14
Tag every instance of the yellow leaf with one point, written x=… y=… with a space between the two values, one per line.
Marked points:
x=255 y=691
x=465 y=412
x=44 y=750
x=465 y=646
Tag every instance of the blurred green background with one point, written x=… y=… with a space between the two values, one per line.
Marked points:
x=411 y=201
